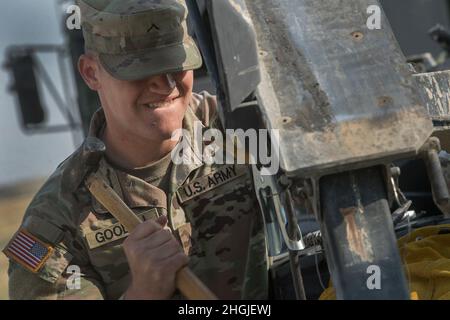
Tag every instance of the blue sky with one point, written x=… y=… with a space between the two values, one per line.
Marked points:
x=24 y=157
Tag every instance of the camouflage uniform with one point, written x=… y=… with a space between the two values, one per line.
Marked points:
x=211 y=210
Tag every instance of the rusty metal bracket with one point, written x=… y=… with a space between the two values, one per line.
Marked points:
x=430 y=154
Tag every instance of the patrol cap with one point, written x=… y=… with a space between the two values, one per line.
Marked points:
x=136 y=39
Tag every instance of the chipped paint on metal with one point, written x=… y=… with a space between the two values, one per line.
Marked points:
x=438 y=89
x=357 y=238
x=239 y=8
x=429 y=93
x=436 y=93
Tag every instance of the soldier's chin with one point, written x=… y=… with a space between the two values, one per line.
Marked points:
x=161 y=132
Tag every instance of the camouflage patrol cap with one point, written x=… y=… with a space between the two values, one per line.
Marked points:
x=136 y=39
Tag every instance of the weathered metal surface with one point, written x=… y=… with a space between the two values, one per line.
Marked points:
x=358 y=235
x=435 y=90
x=340 y=94
x=357 y=238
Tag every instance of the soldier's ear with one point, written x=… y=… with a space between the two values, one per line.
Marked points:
x=89 y=69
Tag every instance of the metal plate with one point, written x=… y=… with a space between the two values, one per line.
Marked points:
x=340 y=94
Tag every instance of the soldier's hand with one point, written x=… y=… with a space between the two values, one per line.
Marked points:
x=154 y=256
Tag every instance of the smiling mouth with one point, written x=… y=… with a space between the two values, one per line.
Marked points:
x=161 y=104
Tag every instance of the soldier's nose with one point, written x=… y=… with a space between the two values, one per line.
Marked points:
x=163 y=84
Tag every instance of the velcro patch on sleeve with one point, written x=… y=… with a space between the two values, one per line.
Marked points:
x=209 y=182
x=28 y=251
x=55 y=265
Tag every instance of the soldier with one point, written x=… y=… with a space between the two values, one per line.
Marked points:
x=139 y=59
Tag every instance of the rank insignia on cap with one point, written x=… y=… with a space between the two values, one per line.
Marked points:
x=28 y=251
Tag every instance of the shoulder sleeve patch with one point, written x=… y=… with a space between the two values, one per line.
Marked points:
x=28 y=251
x=36 y=256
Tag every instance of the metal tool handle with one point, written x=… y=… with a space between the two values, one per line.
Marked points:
x=430 y=154
x=186 y=281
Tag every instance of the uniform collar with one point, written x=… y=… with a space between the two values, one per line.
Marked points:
x=180 y=172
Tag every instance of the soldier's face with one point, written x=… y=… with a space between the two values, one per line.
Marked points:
x=152 y=108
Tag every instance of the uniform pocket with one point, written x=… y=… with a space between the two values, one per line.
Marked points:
x=217 y=213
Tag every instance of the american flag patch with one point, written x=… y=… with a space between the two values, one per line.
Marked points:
x=28 y=251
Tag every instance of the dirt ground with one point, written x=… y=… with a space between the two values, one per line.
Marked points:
x=13 y=202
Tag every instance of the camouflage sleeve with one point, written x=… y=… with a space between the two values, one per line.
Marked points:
x=24 y=285
x=61 y=267
x=63 y=275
